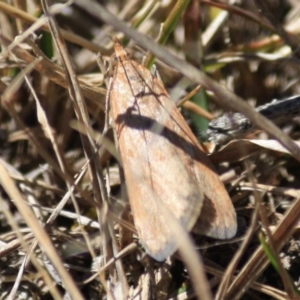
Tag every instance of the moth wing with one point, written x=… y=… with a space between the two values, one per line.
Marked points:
x=164 y=184
x=164 y=165
x=217 y=218
x=158 y=172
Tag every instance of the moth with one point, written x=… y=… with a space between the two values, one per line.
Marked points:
x=164 y=165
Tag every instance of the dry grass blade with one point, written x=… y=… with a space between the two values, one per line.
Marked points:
x=23 y=16
x=88 y=143
x=39 y=232
x=229 y=99
x=258 y=262
x=223 y=287
x=197 y=109
x=54 y=72
x=265 y=289
x=6 y=102
x=73 y=223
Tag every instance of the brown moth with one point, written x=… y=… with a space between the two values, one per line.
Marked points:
x=164 y=164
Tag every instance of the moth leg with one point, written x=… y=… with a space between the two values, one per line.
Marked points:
x=144 y=60
x=105 y=70
x=107 y=123
x=154 y=72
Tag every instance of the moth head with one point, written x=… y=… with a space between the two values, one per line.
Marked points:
x=114 y=59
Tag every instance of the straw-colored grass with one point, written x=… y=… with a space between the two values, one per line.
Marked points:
x=65 y=225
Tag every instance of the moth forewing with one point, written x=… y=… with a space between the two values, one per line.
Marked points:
x=164 y=165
